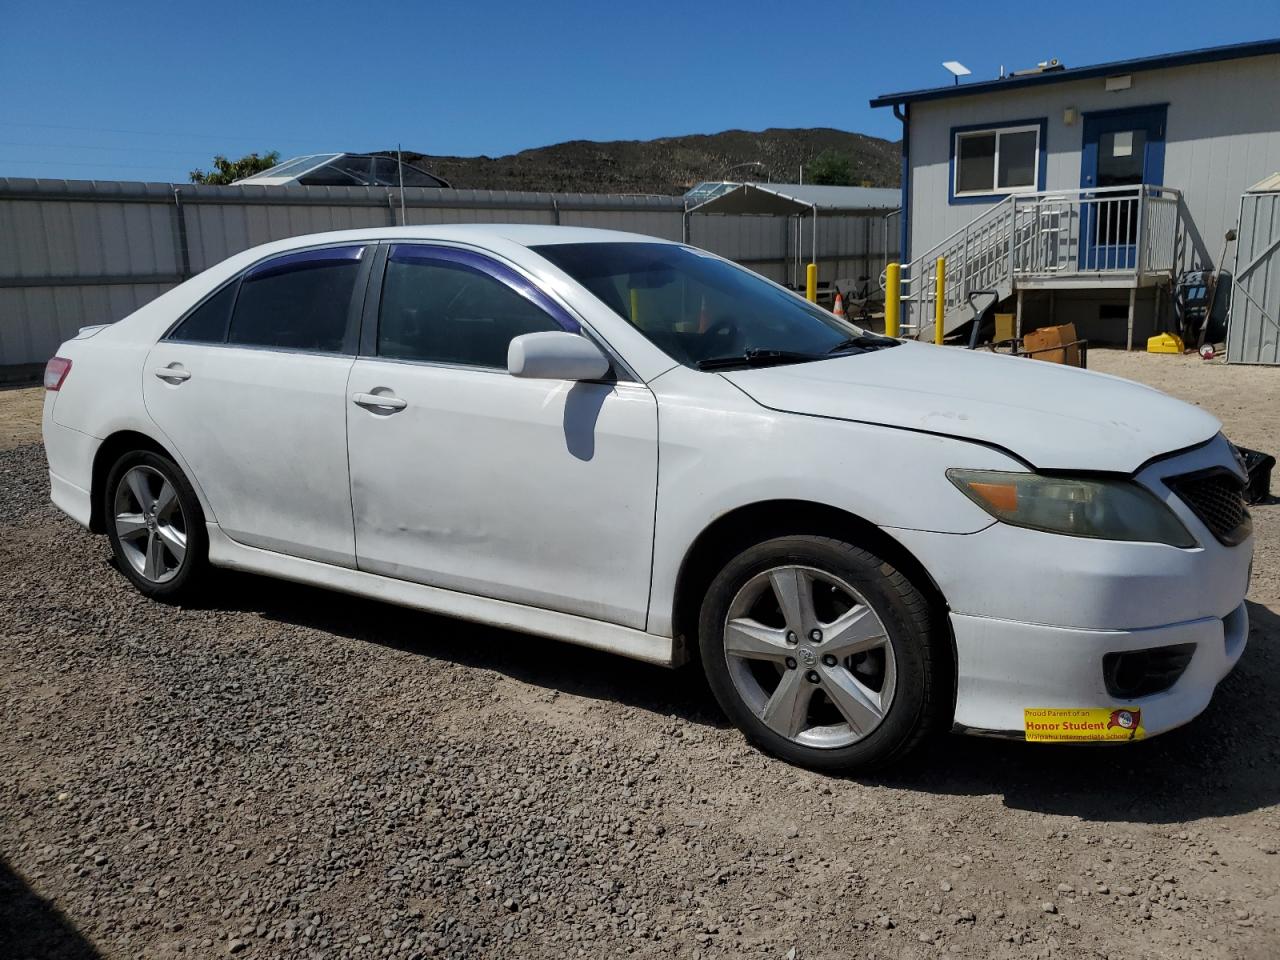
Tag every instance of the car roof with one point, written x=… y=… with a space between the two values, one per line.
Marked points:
x=525 y=234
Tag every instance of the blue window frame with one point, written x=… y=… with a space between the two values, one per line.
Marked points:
x=989 y=161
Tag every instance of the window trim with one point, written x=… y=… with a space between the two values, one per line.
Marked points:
x=499 y=269
x=351 y=335
x=1040 y=125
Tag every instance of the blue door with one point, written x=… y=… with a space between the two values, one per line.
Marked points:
x=1119 y=149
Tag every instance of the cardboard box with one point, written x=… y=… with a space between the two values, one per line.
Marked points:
x=1047 y=338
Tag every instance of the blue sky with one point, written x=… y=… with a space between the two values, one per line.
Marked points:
x=142 y=90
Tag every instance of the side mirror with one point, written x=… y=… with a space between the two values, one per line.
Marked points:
x=556 y=355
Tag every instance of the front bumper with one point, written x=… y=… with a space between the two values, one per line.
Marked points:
x=1006 y=667
x=1034 y=614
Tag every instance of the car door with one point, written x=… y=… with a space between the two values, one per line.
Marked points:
x=464 y=477
x=250 y=387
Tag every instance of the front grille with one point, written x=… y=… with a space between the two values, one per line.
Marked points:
x=1217 y=498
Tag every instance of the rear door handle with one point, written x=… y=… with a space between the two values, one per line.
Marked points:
x=376 y=401
x=175 y=374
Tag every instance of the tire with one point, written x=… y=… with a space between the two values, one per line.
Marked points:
x=877 y=657
x=156 y=526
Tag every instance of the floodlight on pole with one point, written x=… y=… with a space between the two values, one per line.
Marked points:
x=957 y=69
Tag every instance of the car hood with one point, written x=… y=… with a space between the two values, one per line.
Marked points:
x=1052 y=416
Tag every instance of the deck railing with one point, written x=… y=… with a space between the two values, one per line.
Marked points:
x=1103 y=232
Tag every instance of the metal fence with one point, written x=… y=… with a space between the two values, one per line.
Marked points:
x=74 y=253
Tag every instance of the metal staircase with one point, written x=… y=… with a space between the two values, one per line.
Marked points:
x=1076 y=238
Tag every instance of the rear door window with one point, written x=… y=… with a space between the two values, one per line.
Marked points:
x=300 y=301
x=446 y=306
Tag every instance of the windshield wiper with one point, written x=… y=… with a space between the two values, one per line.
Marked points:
x=864 y=342
x=758 y=357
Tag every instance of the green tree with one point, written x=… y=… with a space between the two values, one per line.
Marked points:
x=228 y=171
x=832 y=168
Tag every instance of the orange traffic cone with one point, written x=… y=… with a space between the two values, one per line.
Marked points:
x=838 y=308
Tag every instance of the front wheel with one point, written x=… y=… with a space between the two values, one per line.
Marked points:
x=155 y=525
x=823 y=654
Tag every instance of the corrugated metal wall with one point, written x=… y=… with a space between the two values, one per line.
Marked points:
x=74 y=253
x=1253 y=329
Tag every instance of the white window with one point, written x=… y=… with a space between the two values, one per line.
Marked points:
x=1001 y=160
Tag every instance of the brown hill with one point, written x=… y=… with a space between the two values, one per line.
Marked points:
x=668 y=165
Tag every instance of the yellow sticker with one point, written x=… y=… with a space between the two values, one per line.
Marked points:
x=1077 y=724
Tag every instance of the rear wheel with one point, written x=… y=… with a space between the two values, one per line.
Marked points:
x=823 y=654
x=155 y=525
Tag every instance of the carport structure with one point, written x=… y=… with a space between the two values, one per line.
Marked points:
x=797 y=201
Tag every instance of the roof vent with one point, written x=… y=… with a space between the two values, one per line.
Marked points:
x=1044 y=66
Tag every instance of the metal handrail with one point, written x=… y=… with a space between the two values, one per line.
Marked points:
x=1126 y=229
x=1147 y=191
x=932 y=253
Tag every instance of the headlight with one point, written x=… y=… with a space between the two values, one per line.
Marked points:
x=1075 y=506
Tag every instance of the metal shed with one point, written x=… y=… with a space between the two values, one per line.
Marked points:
x=800 y=200
x=1253 y=330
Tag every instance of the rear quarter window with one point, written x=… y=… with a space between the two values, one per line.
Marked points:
x=207 y=323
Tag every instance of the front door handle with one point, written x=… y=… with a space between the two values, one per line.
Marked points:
x=174 y=374
x=374 y=401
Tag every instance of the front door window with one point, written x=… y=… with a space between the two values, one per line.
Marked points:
x=1120 y=164
x=1120 y=157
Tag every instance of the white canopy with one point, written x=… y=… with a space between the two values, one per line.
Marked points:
x=783 y=199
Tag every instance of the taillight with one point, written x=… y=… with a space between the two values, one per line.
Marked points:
x=55 y=373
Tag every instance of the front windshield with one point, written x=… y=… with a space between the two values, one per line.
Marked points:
x=703 y=311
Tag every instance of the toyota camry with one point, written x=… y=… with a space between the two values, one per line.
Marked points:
x=637 y=446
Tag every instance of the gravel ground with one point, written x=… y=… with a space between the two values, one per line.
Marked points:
x=294 y=773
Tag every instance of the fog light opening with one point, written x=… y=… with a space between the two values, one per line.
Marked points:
x=1143 y=673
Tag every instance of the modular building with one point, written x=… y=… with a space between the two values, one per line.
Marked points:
x=1100 y=195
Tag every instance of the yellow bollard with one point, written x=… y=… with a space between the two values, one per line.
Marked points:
x=940 y=303
x=893 y=300
x=635 y=307
x=811 y=283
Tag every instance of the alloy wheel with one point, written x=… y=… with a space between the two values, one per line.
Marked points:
x=150 y=524
x=809 y=656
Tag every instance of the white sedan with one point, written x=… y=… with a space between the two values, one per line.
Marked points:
x=635 y=445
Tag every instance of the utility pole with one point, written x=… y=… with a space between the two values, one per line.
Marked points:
x=400 y=171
